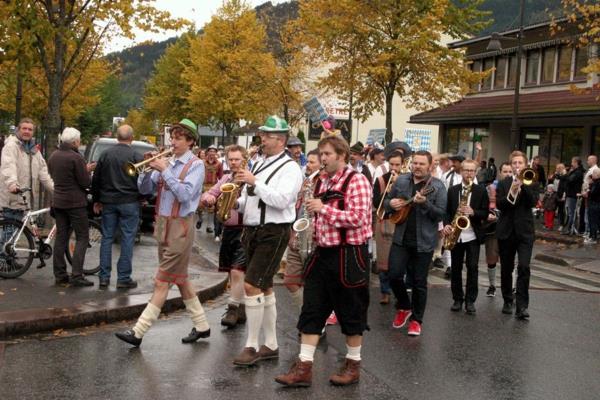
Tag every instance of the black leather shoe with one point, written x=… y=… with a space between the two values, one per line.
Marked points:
x=81 y=282
x=522 y=314
x=507 y=308
x=195 y=335
x=129 y=337
x=61 y=281
x=456 y=306
x=127 y=285
x=103 y=283
x=470 y=308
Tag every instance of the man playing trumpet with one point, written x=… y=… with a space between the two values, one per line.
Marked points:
x=467 y=202
x=179 y=184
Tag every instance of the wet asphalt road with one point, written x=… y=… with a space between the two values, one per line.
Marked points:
x=556 y=355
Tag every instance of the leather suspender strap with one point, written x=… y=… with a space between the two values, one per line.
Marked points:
x=261 y=204
x=342 y=204
x=182 y=175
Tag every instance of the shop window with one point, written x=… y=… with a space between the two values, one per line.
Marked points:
x=581 y=61
x=548 y=65
x=533 y=67
x=500 y=73
x=488 y=64
x=512 y=72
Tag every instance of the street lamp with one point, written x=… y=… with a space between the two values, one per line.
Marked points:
x=495 y=44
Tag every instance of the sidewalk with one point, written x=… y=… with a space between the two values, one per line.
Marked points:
x=32 y=303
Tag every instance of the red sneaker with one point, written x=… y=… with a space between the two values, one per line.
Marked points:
x=401 y=317
x=332 y=319
x=414 y=328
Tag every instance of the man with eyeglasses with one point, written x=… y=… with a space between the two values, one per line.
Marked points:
x=475 y=207
x=268 y=204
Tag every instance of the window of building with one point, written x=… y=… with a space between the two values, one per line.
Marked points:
x=461 y=140
x=476 y=67
x=488 y=64
x=500 y=73
x=565 y=54
x=548 y=61
x=596 y=144
x=533 y=67
x=554 y=145
x=512 y=71
x=581 y=61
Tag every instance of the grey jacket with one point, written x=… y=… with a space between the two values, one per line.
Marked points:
x=429 y=214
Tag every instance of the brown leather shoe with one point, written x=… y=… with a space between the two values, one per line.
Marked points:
x=230 y=318
x=300 y=375
x=348 y=374
x=265 y=353
x=241 y=314
x=248 y=357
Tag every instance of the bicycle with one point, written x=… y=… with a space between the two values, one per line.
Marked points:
x=18 y=245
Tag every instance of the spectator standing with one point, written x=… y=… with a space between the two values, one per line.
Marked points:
x=560 y=184
x=549 y=202
x=592 y=162
x=573 y=189
x=71 y=178
x=594 y=208
x=116 y=195
x=539 y=170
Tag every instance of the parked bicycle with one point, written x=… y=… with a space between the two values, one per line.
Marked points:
x=22 y=241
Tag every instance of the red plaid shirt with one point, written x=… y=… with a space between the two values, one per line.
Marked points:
x=356 y=216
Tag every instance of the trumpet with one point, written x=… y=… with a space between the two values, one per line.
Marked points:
x=527 y=176
x=141 y=167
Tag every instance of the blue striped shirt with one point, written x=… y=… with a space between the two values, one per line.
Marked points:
x=187 y=191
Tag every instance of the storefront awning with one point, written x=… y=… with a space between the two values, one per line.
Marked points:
x=550 y=104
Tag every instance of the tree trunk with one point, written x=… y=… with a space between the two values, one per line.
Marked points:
x=389 y=97
x=19 y=94
x=52 y=122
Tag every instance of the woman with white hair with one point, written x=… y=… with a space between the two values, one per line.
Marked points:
x=71 y=178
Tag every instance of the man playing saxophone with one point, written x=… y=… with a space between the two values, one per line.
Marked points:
x=466 y=210
x=232 y=258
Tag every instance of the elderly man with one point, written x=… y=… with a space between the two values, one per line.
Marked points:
x=71 y=179
x=116 y=195
x=22 y=166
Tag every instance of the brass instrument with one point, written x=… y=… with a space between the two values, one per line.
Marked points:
x=460 y=221
x=380 y=213
x=303 y=233
x=527 y=176
x=141 y=167
x=406 y=165
x=230 y=192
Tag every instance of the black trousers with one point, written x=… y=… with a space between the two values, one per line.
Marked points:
x=471 y=251
x=407 y=261
x=77 y=219
x=508 y=248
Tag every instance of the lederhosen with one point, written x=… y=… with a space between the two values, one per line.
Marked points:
x=336 y=278
x=175 y=236
x=266 y=242
x=231 y=253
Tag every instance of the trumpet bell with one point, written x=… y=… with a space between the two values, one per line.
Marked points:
x=130 y=169
x=528 y=176
x=301 y=224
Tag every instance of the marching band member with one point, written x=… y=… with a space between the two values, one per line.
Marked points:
x=232 y=258
x=179 y=184
x=469 y=200
x=267 y=202
x=516 y=234
x=414 y=239
x=343 y=208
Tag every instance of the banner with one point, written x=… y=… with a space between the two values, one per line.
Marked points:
x=343 y=125
x=376 y=136
x=418 y=139
x=315 y=110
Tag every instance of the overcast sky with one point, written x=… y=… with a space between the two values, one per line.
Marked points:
x=198 y=11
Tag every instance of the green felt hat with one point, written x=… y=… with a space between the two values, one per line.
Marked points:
x=274 y=124
x=189 y=126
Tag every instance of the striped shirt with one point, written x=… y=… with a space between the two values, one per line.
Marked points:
x=186 y=191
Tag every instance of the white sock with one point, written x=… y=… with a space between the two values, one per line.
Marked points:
x=197 y=313
x=307 y=352
x=255 y=310
x=269 y=323
x=492 y=276
x=353 y=353
x=145 y=321
x=298 y=298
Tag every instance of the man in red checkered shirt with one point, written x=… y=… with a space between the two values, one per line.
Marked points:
x=337 y=273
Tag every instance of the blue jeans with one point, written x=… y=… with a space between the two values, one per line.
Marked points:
x=126 y=217
x=384 y=283
x=571 y=204
x=9 y=213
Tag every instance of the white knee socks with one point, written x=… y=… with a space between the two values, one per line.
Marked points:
x=237 y=293
x=307 y=352
x=145 y=321
x=255 y=310
x=353 y=353
x=197 y=313
x=269 y=323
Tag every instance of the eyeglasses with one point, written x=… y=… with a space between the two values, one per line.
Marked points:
x=469 y=170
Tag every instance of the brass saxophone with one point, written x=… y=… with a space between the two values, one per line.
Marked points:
x=302 y=227
x=230 y=192
x=460 y=221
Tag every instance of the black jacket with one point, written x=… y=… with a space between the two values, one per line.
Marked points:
x=110 y=183
x=516 y=219
x=480 y=203
x=71 y=178
x=574 y=182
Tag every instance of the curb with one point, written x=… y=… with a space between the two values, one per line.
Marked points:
x=39 y=320
x=552 y=259
x=557 y=239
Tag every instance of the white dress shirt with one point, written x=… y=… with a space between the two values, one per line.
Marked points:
x=279 y=195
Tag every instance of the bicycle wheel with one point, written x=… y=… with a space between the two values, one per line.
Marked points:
x=15 y=257
x=92 y=253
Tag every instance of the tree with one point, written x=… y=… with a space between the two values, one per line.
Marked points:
x=141 y=123
x=377 y=49
x=166 y=91
x=231 y=72
x=68 y=36
x=99 y=118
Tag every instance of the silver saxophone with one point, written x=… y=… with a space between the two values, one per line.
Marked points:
x=303 y=232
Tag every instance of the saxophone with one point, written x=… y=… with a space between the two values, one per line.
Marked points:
x=302 y=227
x=460 y=221
x=230 y=192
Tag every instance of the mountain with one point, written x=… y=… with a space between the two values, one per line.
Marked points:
x=137 y=63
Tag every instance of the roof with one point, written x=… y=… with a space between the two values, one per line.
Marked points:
x=560 y=103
